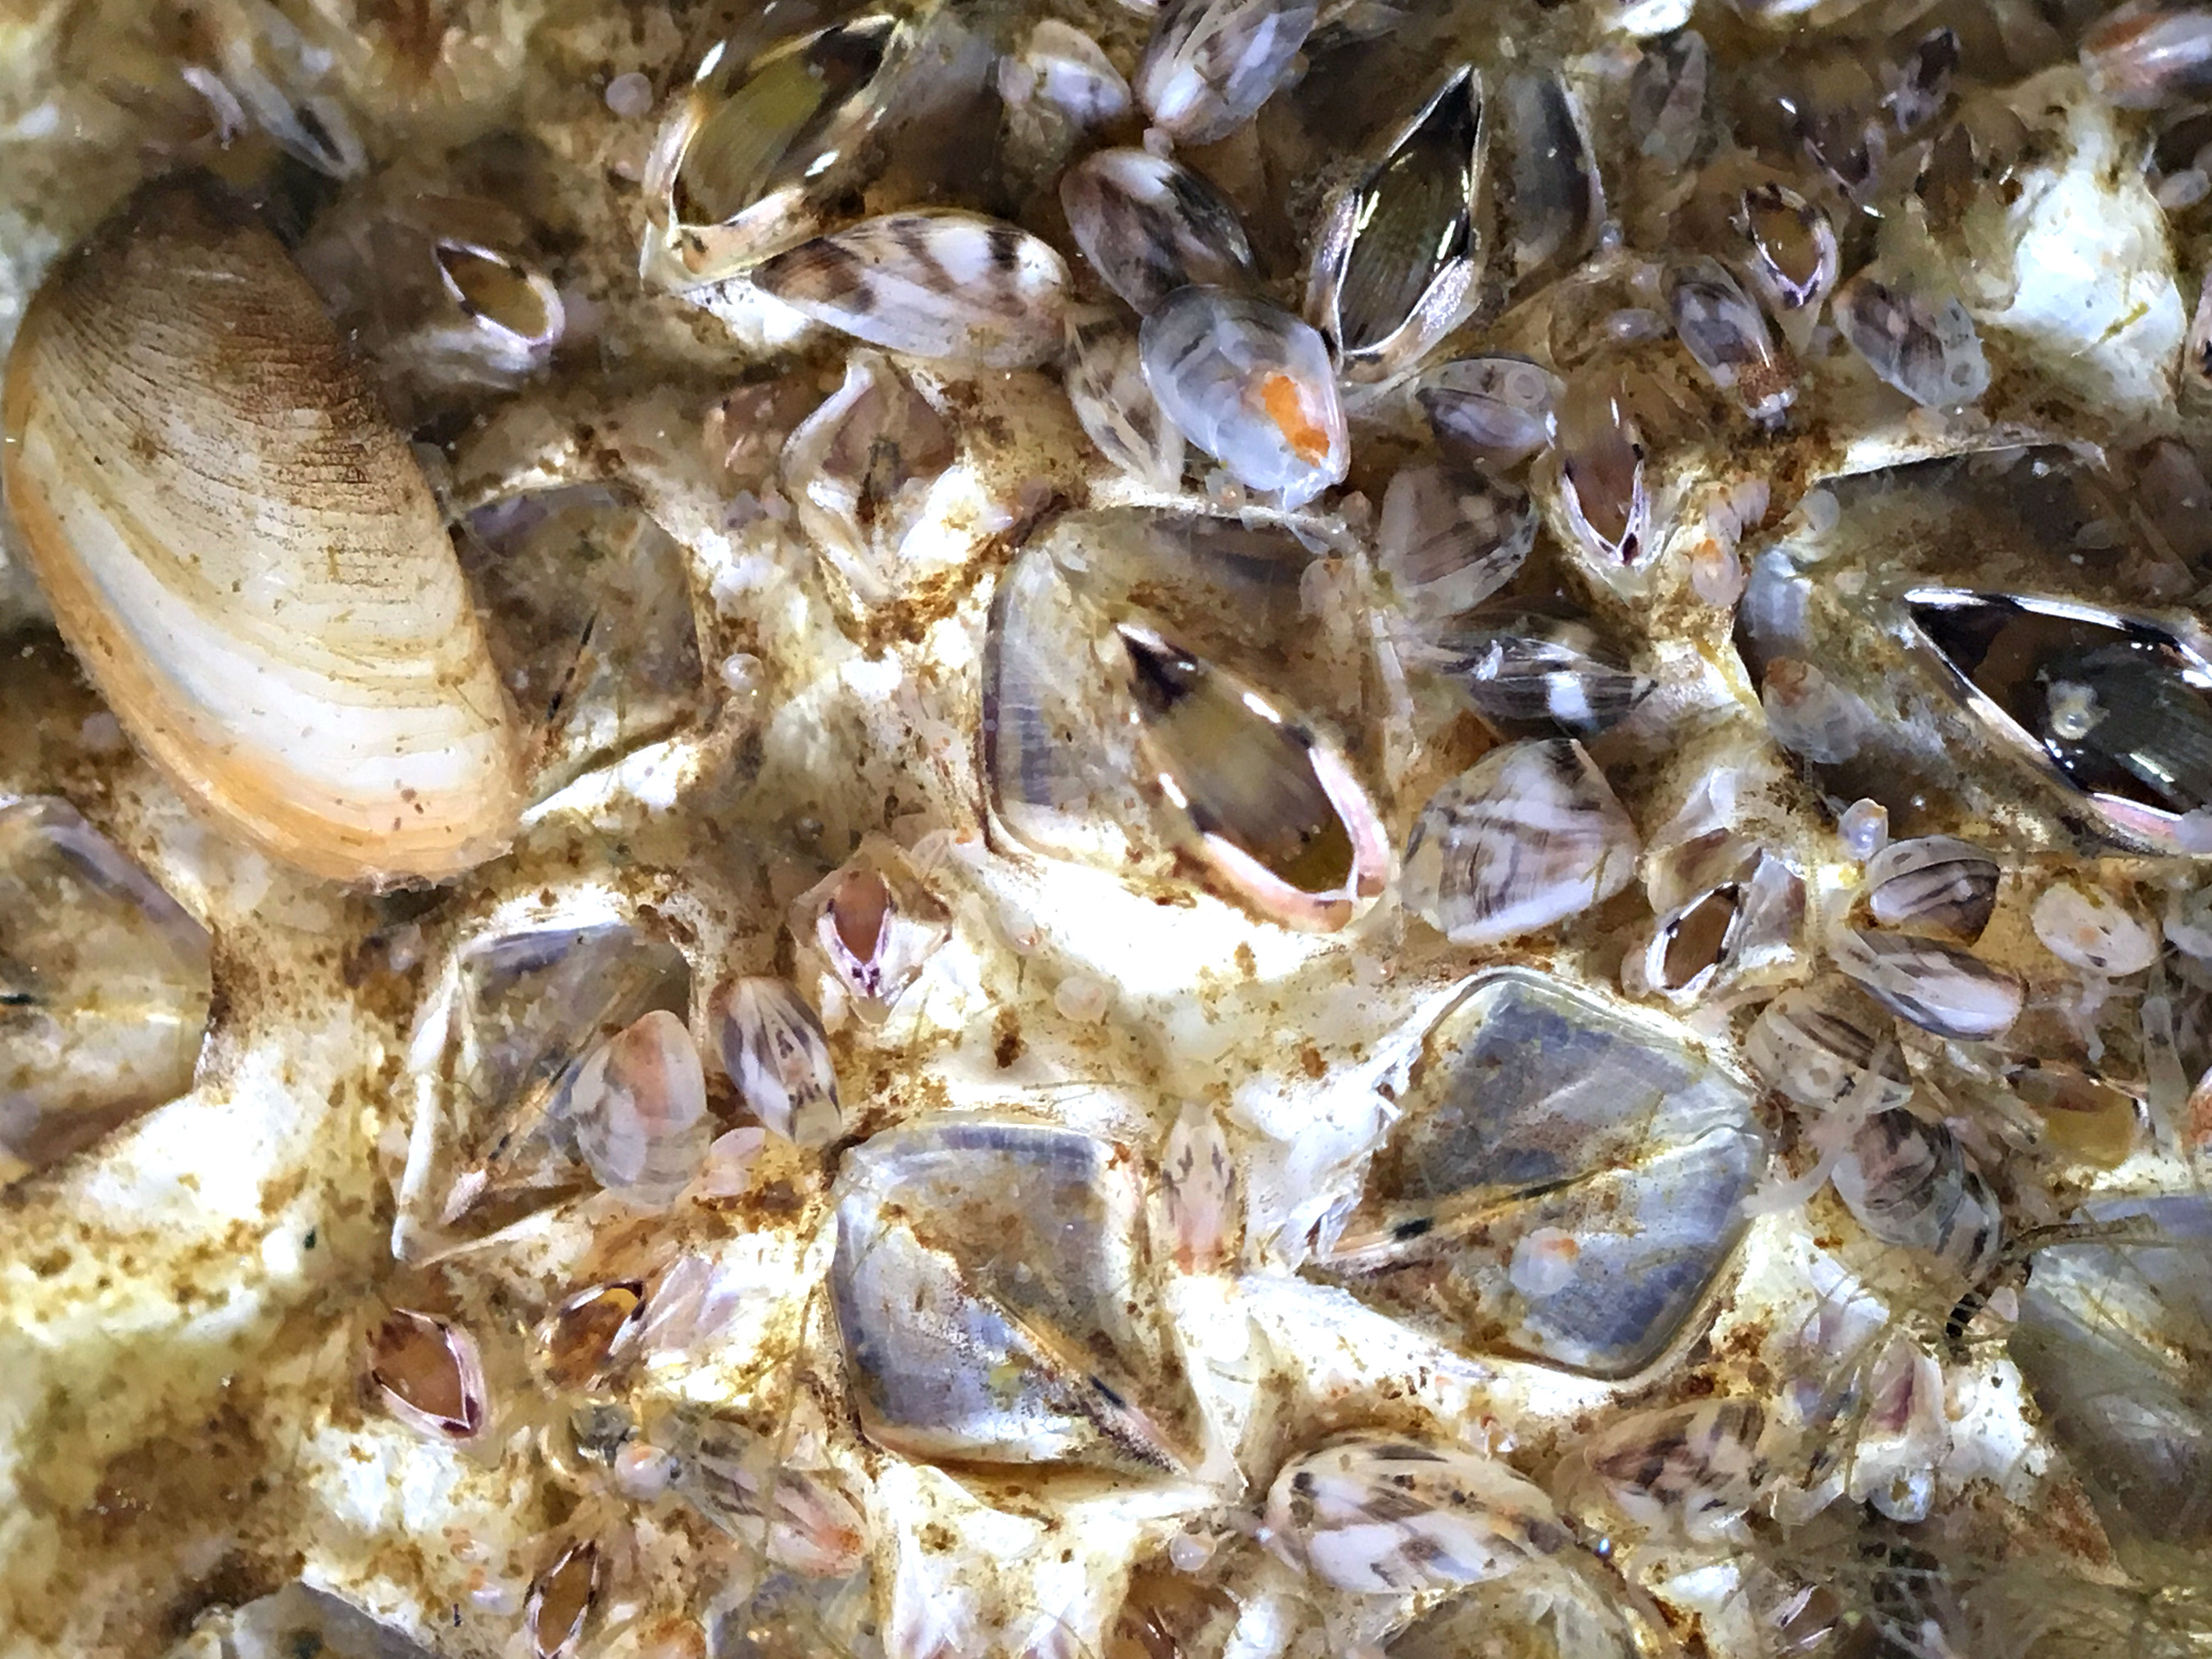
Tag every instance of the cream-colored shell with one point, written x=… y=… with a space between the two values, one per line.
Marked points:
x=244 y=553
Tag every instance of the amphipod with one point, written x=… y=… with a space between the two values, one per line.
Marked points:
x=246 y=557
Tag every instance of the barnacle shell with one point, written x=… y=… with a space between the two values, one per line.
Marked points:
x=249 y=564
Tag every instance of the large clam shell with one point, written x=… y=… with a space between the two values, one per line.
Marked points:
x=246 y=556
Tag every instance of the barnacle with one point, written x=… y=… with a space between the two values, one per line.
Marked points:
x=937 y=828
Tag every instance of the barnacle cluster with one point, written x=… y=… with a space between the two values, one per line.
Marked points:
x=1229 y=827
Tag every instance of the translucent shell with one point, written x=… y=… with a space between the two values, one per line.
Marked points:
x=1104 y=374
x=2142 y=55
x=429 y=1375
x=561 y=1601
x=1497 y=410
x=1794 y=260
x=986 y=1287
x=1534 y=675
x=772 y=1046
x=638 y=1111
x=1907 y=1182
x=1559 y=198
x=1933 y=883
x=1565 y=1182
x=1677 y=1474
x=1382 y=1516
x=1449 y=539
x=1120 y=736
x=1923 y=343
x=1252 y=386
x=1529 y=836
x=105 y=985
x=941 y=283
x=269 y=603
x=1938 y=986
x=1149 y=225
x=1667 y=99
x=875 y=924
x=1210 y=63
x=732 y=166
x=1399 y=254
x=1603 y=491
x=1739 y=930
x=1724 y=331
x=2092 y=931
x=1829 y=1048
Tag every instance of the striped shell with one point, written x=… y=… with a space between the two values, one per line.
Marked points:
x=249 y=562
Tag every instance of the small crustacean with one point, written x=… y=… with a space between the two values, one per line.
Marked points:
x=1566 y=1182
x=429 y=1375
x=2117 y=705
x=1559 y=198
x=942 y=283
x=1497 y=410
x=1199 y=1191
x=731 y=171
x=859 y=469
x=1210 y=63
x=1278 y=814
x=638 y=1111
x=1449 y=539
x=1921 y=342
x=2144 y=54
x=1682 y=1473
x=1383 y=1515
x=1725 y=332
x=1532 y=674
x=987 y=1285
x=562 y=1599
x=1398 y=253
x=341 y=713
x=106 y=986
x=1104 y=373
x=772 y=1046
x=1938 y=986
x=1149 y=226
x=1829 y=1048
x=1603 y=491
x=1908 y=1183
x=591 y=1334
x=1252 y=386
x=1529 y=835
x=875 y=923
x=1932 y=884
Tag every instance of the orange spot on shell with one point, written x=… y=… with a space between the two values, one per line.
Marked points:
x=1278 y=396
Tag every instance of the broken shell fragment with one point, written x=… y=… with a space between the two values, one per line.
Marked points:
x=1278 y=814
x=1498 y=410
x=1829 y=1048
x=1923 y=343
x=1725 y=332
x=733 y=164
x=429 y=1375
x=772 y=1045
x=1565 y=1182
x=1729 y=935
x=106 y=986
x=1938 y=986
x=1395 y=267
x=941 y=283
x=1210 y=63
x=638 y=1110
x=988 y=1286
x=1149 y=226
x=1381 y=1515
x=252 y=568
x=1933 y=883
x=1252 y=386
x=1529 y=836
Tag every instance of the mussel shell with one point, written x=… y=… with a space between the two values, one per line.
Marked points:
x=1933 y=883
x=1210 y=63
x=1530 y=674
x=1149 y=225
x=1827 y=1047
x=250 y=565
x=1938 y=986
x=1499 y=410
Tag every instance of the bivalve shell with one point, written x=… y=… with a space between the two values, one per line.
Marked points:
x=246 y=556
